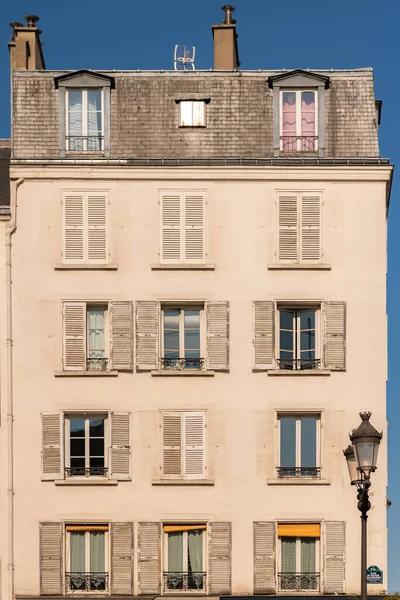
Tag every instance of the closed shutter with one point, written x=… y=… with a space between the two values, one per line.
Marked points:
x=122 y=558
x=149 y=557
x=120 y=447
x=121 y=316
x=52 y=446
x=97 y=221
x=170 y=228
x=219 y=553
x=310 y=228
x=51 y=544
x=217 y=314
x=335 y=335
x=264 y=334
x=264 y=557
x=73 y=224
x=171 y=427
x=334 y=557
x=194 y=228
x=147 y=335
x=194 y=437
x=288 y=229
x=74 y=336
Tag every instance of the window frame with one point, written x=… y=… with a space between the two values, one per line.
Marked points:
x=318 y=441
x=67 y=443
x=191 y=124
x=203 y=334
x=107 y=555
x=299 y=136
x=205 y=534
x=298 y=307
x=84 y=135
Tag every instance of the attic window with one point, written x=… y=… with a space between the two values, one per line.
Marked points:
x=192 y=113
x=298 y=121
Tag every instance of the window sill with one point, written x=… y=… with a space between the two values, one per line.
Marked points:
x=299 y=267
x=182 y=267
x=183 y=482
x=86 y=374
x=182 y=373
x=298 y=481
x=93 y=267
x=86 y=481
x=282 y=373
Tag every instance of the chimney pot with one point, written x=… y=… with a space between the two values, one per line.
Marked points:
x=228 y=10
x=32 y=20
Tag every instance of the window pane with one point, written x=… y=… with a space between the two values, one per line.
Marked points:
x=97 y=559
x=308 y=113
x=288 y=442
x=307 y=340
x=171 y=333
x=286 y=341
x=77 y=427
x=77 y=543
x=94 y=120
x=286 y=319
x=192 y=340
x=96 y=427
x=96 y=447
x=96 y=462
x=77 y=447
x=175 y=552
x=75 y=118
x=192 y=319
x=308 y=441
x=307 y=555
x=307 y=319
x=289 y=121
x=198 y=114
x=77 y=463
x=96 y=333
x=195 y=551
x=186 y=113
x=288 y=547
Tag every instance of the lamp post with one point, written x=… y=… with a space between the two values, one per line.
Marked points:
x=361 y=459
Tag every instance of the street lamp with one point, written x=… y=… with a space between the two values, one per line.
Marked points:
x=361 y=459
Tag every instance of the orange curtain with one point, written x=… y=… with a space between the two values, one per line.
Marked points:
x=171 y=528
x=299 y=530
x=86 y=528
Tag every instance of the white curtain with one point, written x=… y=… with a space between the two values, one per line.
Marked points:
x=75 y=120
x=288 y=555
x=97 y=563
x=195 y=545
x=96 y=334
x=175 y=552
x=77 y=551
x=307 y=555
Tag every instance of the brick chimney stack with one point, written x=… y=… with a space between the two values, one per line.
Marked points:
x=25 y=46
x=226 y=54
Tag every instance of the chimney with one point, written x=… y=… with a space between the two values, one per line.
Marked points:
x=226 y=54
x=25 y=46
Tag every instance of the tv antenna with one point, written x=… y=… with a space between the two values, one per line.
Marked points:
x=184 y=58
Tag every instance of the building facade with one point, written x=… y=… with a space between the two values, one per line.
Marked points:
x=196 y=318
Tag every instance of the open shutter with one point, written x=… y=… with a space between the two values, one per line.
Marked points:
x=52 y=446
x=121 y=316
x=264 y=557
x=97 y=241
x=122 y=558
x=217 y=314
x=51 y=544
x=171 y=445
x=335 y=335
x=120 y=447
x=194 y=440
x=194 y=227
x=219 y=552
x=264 y=334
x=170 y=228
x=310 y=228
x=149 y=557
x=73 y=234
x=74 y=334
x=334 y=557
x=147 y=335
x=288 y=229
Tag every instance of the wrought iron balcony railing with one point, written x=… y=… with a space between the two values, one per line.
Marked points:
x=86 y=471
x=180 y=364
x=175 y=580
x=96 y=364
x=86 y=582
x=85 y=143
x=298 y=582
x=298 y=364
x=293 y=472
x=299 y=143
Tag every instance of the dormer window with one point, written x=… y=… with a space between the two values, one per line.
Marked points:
x=298 y=123
x=84 y=121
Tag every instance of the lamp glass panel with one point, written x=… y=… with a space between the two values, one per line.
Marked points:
x=352 y=465
x=365 y=453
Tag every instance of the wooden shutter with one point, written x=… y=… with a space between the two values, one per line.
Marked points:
x=97 y=226
x=310 y=228
x=147 y=335
x=52 y=446
x=264 y=557
x=73 y=225
x=121 y=318
x=120 y=447
x=74 y=334
x=122 y=558
x=288 y=229
x=335 y=335
x=264 y=334
x=217 y=314
x=219 y=553
x=149 y=558
x=171 y=234
x=334 y=557
x=194 y=227
x=194 y=441
x=171 y=445
x=50 y=549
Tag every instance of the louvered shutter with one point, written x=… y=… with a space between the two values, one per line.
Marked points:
x=334 y=557
x=171 y=224
x=121 y=316
x=310 y=228
x=264 y=334
x=194 y=445
x=335 y=335
x=264 y=557
x=217 y=314
x=122 y=558
x=52 y=446
x=288 y=229
x=74 y=334
x=149 y=557
x=147 y=335
x=51 y=544
x=194 y=227
x=219 y=553
x=97 y=226
x=171 y=445
x=74 y=231
x=120 y=447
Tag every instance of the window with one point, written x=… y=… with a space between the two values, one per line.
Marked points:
x=185 y=560
x=192 y=113
x=299 y=446
x=299 y=550
x=84 y=120
x=182 y=337
x=86 y=446
x=298 y=121
x=299 y=228
x=96 y=337
x=183 y=445
x=87 y=558
x=298 y=339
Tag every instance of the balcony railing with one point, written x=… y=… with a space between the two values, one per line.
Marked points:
x=86 y=582
x=96 y=364
x=180 y=364
x=86 y=471
x=298 y=582
x=184 y=581
x=85 y=143
x=299 y=143
x=298 y=472
x=298 y=364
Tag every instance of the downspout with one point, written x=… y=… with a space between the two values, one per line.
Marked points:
x=10 y=229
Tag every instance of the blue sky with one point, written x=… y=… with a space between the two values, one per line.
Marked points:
x=317 y=34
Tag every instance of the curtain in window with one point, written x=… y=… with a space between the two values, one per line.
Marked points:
x=175 y=552
x=308 y=120
x=97 y=563
x=195 y=548
x=192 y=333
x=77 y=551
x=75 y=121
x=288 y=546
x=94 y=125
x=307 y=555
x=96 y=334
x=289 y=121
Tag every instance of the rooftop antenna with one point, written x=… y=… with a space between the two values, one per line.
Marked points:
x=184 y=58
